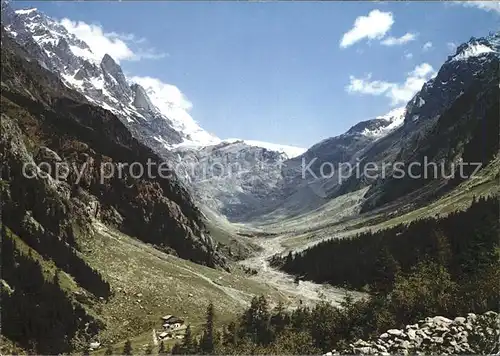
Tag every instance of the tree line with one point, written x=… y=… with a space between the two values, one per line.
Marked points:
x=67 y=258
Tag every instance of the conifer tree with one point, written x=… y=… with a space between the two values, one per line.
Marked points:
x=278 y=318
x=207 y=343
x=109 y=350
x=384 y=271
x=161 y=350
x=262 y=321
x=177 y=349
x=230 y=334
x=443 y=249
x=188 y=346
x=127 y=349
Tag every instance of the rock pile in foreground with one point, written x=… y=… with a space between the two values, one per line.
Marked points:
x=474 y=334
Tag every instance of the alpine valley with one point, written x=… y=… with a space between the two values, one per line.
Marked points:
x=286 y=260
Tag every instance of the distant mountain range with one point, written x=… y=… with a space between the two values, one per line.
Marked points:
x=261 y=185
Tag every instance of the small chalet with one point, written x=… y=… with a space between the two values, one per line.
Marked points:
x=171 y=322
x=165 y=336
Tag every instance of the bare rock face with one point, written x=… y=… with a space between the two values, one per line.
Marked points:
x=234 y=179
x=141 y=99
x=115 y=80
x=473 y=335
x=87 y=70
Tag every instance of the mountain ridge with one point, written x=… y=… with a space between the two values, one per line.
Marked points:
x=51 y=35
x=37 y=107
x=168 y=128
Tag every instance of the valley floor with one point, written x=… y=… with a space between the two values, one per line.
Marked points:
x=149 y=283
x=305 y=292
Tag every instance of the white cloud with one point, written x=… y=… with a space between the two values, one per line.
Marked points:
x=422 y=70
x=408 y=55
x=396 y=41
x=170 y=95
x=367 y=86
x=483 y=5
x=398 y=93
x=373 y=26
x=175 y=106
x=128 y=37
x=452 y=46
x=116 y=45
x=427 y=46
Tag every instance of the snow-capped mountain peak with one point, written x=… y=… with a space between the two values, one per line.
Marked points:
x=395 y=119
x=103 y=82
x=477 y=47
x=473 y=50
x=454 y=78
x=378 y=127
x=170 y=102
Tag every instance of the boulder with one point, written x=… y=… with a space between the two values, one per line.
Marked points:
x=395 y=332
x=94 y=345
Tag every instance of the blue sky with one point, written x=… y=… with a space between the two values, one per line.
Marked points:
x=290 y=72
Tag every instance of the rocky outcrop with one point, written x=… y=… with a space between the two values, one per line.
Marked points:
x=474 y=334
x=114 y=79
x=141 y=99
x=234 y=179
x=87 y=70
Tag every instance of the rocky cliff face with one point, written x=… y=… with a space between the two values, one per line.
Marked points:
x=50 y=127
x=233 y=179
x=141 y=99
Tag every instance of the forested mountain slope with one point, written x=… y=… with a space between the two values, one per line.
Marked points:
x=45 y=121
